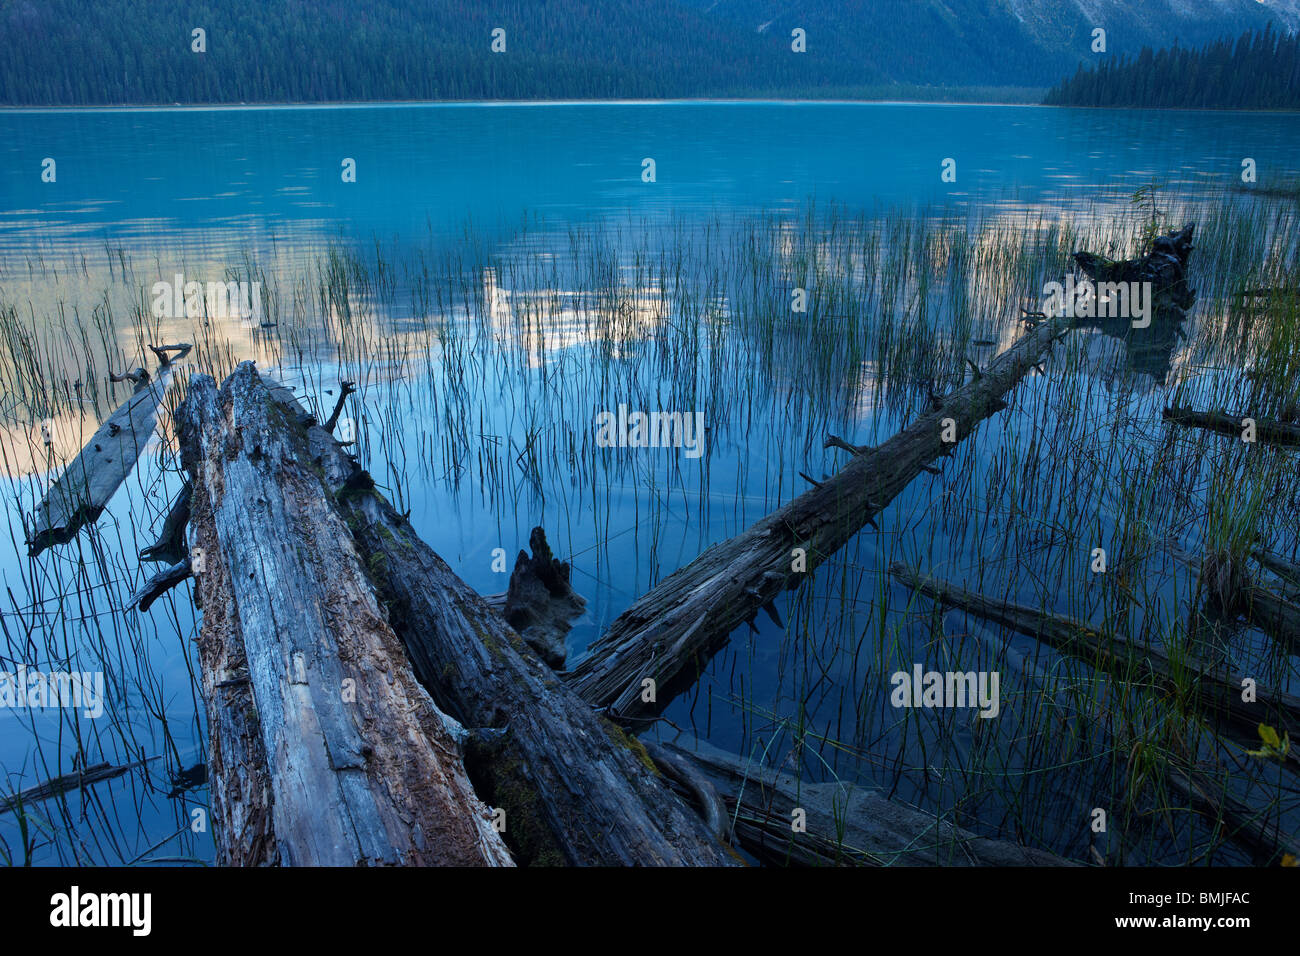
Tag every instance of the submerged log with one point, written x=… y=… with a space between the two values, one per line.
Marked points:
x=1242 y=825
x=574 y=787
x=539 y=602
x=1273 y=614
x=76 y=780
x=689 y=614
x=845 y=824
x=1202 y=689
x=1282 y=434
x=324 y=748
x=1287 y=571
x=81 y=493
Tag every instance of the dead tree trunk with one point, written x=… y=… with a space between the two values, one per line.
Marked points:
x=325 y=750
x=1204 y=690
x=1282 y=434
x=690 y=613
x=844 y=824
x=575 y=788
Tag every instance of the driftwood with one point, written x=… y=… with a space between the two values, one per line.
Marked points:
x=845 y=824
x=689 y=614
x=539 y=602
x=76 y=780
x=81 y=493
x=574 y=787
x=1207 y=690
x=324 y=749
x=1283 y=434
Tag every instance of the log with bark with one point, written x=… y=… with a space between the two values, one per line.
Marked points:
x=1204 y=691
x=688 y=615
x=843 y=824
x=324 y=750
x=575 y=788
x=1282 y=434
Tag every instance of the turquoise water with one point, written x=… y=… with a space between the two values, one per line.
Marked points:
x=226 y=176
x=143 y=194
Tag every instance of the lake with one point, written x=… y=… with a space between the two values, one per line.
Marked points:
x=498 y=274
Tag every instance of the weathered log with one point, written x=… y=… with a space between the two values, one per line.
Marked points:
x=845 y=824
x=170 y=546
x=1283 y=434
x=159 y=584
x=1287 y=571
x=1204 y=690
x=81 y=493
x=1273 y=614
x=539 y=602
x=690 y=613
x=342 y=758
x=1242 y=825
x=574 y=787
x=76 y=780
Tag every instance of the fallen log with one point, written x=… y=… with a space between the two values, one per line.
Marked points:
x=81 y=493
x=843 y=824
x=324 y=749
x=1282 y=434
x=1204 y=690
x=1288 y=571
x=76 y=780
x=1273 y=614
x=1242 y=825
x=575 y=788
x=689 y=614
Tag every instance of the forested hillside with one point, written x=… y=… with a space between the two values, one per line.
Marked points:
x=68 y=52
x=1260 y=70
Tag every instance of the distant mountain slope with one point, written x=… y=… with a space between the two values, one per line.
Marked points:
x=995 y=42
x=69 y=52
